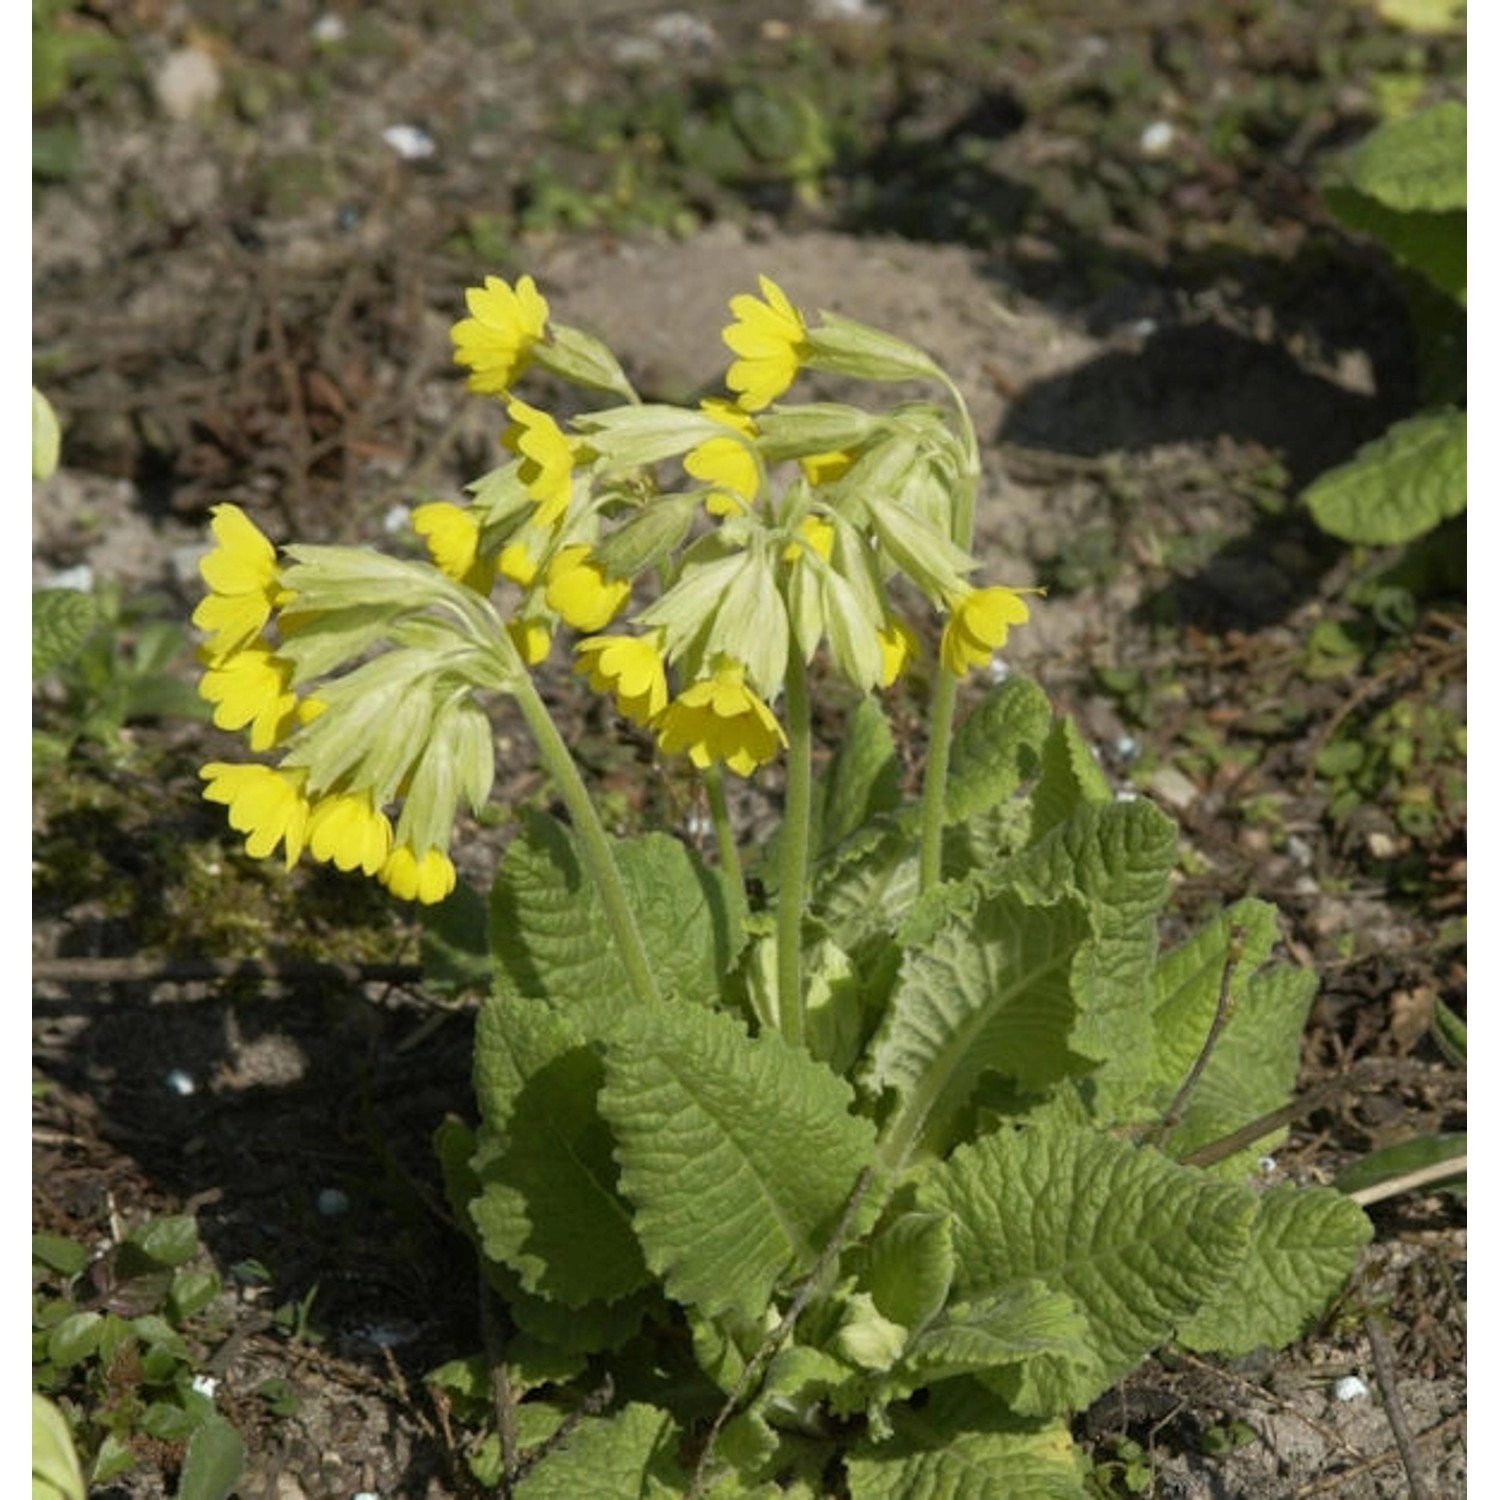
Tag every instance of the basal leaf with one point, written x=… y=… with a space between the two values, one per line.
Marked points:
x=632 y=1453
x=1070 y=778
x=908 y=1268
x=550 y=938
x=1303 y=1246
x=962 y=1445
x=1185 y=987
x=1135 y=1241
x=739 y=1154
x=1399 y=486
x=1025 y=1320
x=1118 y=856
x=1434 y=245
x=996 y=748
x=547 y=1205
x=1252 y=1069
x=991 y=990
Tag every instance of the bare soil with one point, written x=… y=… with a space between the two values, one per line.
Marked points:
x=244 y=293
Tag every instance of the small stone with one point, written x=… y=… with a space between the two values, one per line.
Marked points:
x=1157 y=138
x=1350 y=1388
x=181 y=1083
x=332 y=1202
x=188 y=83
x=409 y=142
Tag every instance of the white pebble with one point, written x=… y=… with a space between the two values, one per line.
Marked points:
x=1350 y=1388
x=181 y=1083
x=332 y=1202
x=409 y=142
x=1156 y=138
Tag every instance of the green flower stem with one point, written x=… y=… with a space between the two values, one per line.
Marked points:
x=796 y=830
x=729 y=853
x=935 y=780
x=559 y=763
x=945 y=694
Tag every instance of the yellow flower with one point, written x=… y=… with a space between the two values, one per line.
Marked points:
x=978 y=626
x=517 y=564
x=244 y=586
x=546 y=460
x=427 y=880
x=495 y=343
x=720 y=719
x=898 y=647
x=348 y=830
x=817 y=534
x=725 y=461
x=824 y=468
x=252 y=687
x=770 y=339
x=532 y=638
x=267 y=805
x=630 y=667
x=452 y=537
x=578 y=590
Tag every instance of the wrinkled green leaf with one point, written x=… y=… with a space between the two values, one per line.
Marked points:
x=633 y=1452
x=993 y=989
x=1399 y=486
x=739 y=1154
x=550 y=936
x=1419 y=162
x=908 y=1268
x=548 y=1205
x=996 y=748
x=1303 y=1245
x=863 y=778
x=1070 y=779
x=1137 y=1242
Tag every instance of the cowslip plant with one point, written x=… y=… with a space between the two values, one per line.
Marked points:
x=855 y=1161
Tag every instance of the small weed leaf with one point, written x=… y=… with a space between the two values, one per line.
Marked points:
x=738 y=1154
x=214 y=1462
x=61 y=620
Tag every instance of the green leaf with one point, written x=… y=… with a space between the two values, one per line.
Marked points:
x=1119 y=857
x=630 y=1453
x=962 y=1445
x=550 y=936
x=863 y=778
x=55 y=1471
x=996 y=748
x=74 y=1339
x=61 y=621
x=548 y=1205
x=169 y=1241
x=1253 y=1067
x=59 y=1253
x=1070 y=778
x=991 y=989
x=1433 y=245
x=1400 y=1159
x=1017 y=1324
x=214 y=1462
x=1137 y=1242
x=455 y=943
x=738 y=1154
x=908 y=1268
x=1420 y=162
x=1398 y=487
x=1303 y=1245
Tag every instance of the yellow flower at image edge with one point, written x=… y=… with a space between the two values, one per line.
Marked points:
x=495 y=342
x=427 y=880
x=770 y=338
x=630 y=667
x=244 y=586
x=265 y=804
x=720 y=719
x=978 y=626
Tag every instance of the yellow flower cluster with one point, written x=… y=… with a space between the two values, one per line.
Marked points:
x=249 y=685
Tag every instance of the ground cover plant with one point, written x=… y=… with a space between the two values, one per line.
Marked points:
x=872 y=1180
